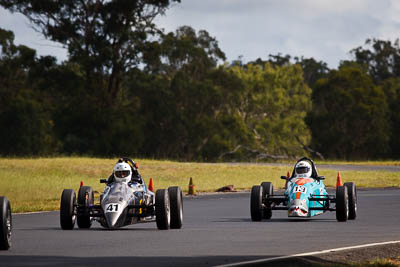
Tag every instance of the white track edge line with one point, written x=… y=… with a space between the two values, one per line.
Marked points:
x=308 y=254
x=32 y=212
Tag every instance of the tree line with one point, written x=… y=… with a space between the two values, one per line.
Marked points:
x=129 y=88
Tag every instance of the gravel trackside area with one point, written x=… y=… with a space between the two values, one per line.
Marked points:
x=356 y=257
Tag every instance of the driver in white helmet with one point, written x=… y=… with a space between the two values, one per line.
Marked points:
x=124 y=172
x=303 y=169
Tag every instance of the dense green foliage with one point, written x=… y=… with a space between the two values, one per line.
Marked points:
x=349 y=109
x=128 y=88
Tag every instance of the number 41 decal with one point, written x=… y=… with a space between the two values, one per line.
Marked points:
x=112 y=207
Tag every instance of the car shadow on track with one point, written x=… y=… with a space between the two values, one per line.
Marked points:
x=87 y=229
x=30 y=260
x=277 y=220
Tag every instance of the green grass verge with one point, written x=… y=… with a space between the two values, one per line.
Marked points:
x=341 y=162
x=367 y=163
x=36 y=184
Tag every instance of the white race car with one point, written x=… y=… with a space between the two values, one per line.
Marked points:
x=122 y=203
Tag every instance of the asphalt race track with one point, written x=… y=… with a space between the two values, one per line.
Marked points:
x=217 y=230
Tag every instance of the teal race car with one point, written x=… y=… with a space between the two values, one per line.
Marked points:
x=305 y=196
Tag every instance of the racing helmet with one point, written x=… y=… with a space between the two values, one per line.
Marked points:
x=303 y=169
x=122 y=172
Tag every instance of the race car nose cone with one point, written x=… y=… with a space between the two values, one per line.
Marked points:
x=111 y=218
x=297 y=212
x=297 y=208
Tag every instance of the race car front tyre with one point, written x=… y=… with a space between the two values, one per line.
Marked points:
x=176 y=204
x=268 y=190
x=163 y=215
x=256 y=201
x=352 y=191
x=67 y=209
x=342 y=204
x=85 y=199
x=6 y=224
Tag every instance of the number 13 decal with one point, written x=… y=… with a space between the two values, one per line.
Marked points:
x=300 y=189
x=112 y=207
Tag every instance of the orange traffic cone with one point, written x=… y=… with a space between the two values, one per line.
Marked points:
x=192 y=189
x=287 y=179
x=151 y=185
x=339 y=180
x=81 y=184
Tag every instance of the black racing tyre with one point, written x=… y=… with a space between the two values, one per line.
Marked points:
x=256 y=201
x=67 y=209
x=342 y=204
x=85 y=199
x=352 y=191
x=268 y=190
x=6 y=224
x=163 y=215
x=176 y=205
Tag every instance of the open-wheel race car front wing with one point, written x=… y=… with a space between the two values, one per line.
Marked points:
x=96 y=211
x=280 y=202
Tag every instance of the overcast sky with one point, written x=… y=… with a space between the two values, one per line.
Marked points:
x=324 y=29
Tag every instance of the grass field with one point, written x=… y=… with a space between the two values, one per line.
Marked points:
x=36 y=184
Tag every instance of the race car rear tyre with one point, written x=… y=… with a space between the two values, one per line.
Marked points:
x=67 y=209
x=352 y=191
x=256 y=200
x=342 y=204
x=6 y=224
x=268 y=190
x=85 y=199
x=176 y=204
x=163 y=215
